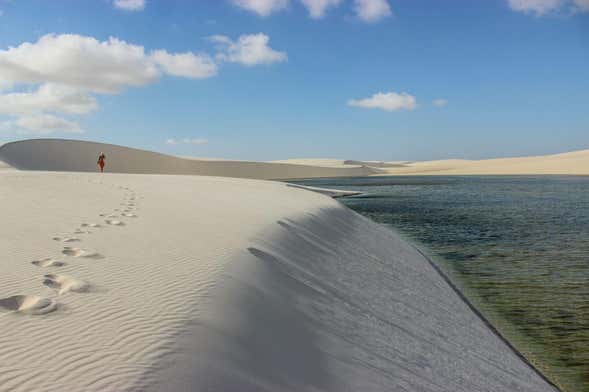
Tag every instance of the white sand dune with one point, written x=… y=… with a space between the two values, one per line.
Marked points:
x=224 y=284
x=572 y=163
x=74 y=155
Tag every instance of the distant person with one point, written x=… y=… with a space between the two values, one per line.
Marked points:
x=101 y=158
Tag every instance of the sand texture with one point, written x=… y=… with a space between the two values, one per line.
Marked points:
x=127 y=282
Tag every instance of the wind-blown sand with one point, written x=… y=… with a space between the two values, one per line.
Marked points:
x=187 y=283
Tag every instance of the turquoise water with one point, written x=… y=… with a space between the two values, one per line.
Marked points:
x=518 y=246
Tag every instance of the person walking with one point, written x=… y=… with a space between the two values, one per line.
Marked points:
x=101 y=158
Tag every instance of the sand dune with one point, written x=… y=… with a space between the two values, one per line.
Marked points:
x=81 y=156
x=190 y=283
x=572 y=163
x=276 y=289
x=72 y=155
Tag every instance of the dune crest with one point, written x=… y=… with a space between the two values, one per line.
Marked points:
x=81 y=156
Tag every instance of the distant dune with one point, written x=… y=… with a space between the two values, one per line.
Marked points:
x=81 y=156
x=573 y=163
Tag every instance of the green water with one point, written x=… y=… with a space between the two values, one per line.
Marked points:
x=518 y=246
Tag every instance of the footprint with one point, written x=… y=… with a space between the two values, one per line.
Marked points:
x=48 y=262
x=115 y=222
x=28 y=304
x=77 y=252
x=112 y=216
x=67 y=239
x=90 y=225
x=129 y=215
x=65 y=283
x=80 y=231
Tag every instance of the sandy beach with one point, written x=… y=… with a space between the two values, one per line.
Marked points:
x=167 y=282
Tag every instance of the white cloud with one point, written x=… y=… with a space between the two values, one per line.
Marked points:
x=186 y=141
x=187 y=64
x=440 y=102
x=66 y=69
x=79 y=61
x=61 y=73
x=372 y=10
x=538 y=7
x=41 y=124
x=129 y=5
x=47 y=98
x=386 y=101
x=545 y=7
x=318 y=8
x=262 y=7
x=248 y=50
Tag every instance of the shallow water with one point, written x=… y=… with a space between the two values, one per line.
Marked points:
x=518 y=246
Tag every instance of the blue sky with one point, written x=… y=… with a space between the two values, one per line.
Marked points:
x=510 y=77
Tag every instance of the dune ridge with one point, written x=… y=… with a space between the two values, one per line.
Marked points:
x=81 y=156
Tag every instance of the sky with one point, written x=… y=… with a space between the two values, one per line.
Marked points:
x=279 y=79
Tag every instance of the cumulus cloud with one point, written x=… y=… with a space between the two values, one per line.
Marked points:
x=129 y=5
x=538 y=7
x=66 y=69
x=544 y=7
x=248 y=50
x=261 y=7
x=41 y=124
x=79 y=61
x=372 y=10
x=190 y=65
x=89 y=64
x=440 y=102
x=386 y=101
x=48 y=97
x=318 y=8
x=195 y=141
x=62 y=73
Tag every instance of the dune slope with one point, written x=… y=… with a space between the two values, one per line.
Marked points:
x=183 y=283
x=81 y=156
